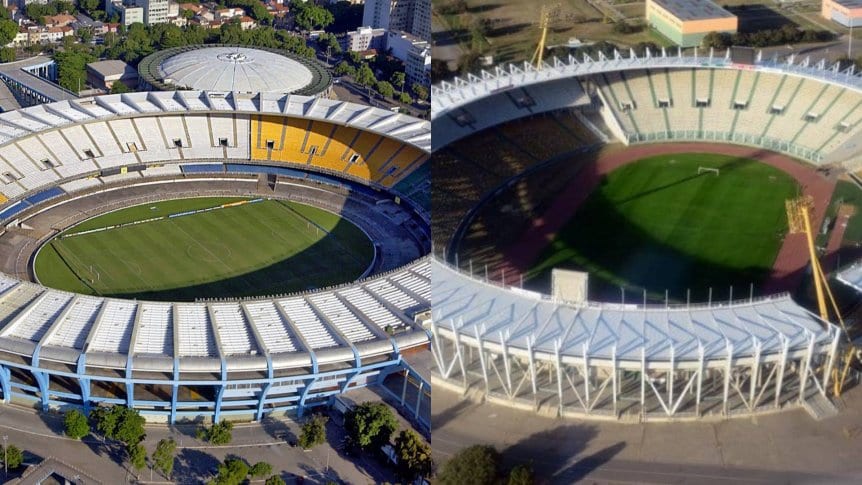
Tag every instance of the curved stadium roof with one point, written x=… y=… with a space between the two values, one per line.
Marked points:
x=526 y=320
x=225 y=68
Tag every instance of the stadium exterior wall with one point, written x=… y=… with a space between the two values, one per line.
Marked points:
x=36 y=370
x=562 y=367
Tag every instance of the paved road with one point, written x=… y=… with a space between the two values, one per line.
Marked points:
x=41 y=435
x=784 y=447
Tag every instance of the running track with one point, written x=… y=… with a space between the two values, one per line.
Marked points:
x=792 y=257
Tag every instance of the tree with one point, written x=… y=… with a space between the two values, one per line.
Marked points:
x=439 y=70
x=274 y=480
x=475 y=465
x=232 y=472
x=365 y=76
x=119 y=423
x=137 y=456
x=717 y=40
x=163 y=457
x=385 y=89
x=8 y=31
x=13 y=455
x=75 y=424
x=344 y=69
x=7 y=54
x=399 y=79
x=119 y=87
x=217 y=434
x=405 y=98
x=414 y=456
x=71 y=68
x=521 y=475
x=313 y=432
x=370 y=424
x=309 y=16
x=420 y=91
x=260 y=469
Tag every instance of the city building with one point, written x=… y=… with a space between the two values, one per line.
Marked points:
x=155 y=11
x=128 y=12
x=415 y=53
x=363 y=39
x=103 y=74
x=412 y=16
x=845 y=12
x=686 y=22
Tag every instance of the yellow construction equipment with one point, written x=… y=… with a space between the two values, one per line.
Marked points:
x=546 y=14
x=799 y=222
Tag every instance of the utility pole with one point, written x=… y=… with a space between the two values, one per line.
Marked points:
x=5 y=457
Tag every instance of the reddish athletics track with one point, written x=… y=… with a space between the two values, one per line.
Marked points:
x=792 y=257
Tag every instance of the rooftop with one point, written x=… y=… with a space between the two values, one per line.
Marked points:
x=110 y=68
x=694 y=9
x=850 y=3
x=240 y=69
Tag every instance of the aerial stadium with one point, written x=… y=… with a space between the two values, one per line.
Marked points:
x=617 y=236
x=210 y=254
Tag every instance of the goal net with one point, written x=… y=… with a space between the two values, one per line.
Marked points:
x=701 y=170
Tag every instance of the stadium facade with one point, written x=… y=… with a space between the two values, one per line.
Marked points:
x=218 y=358
x=638 y=361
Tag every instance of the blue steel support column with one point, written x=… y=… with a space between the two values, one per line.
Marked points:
x=130 y=387
x=42 y=380
x=397 y=362
x=41 y=377
x=314 y=371
x=83 y=382
x=357 y=361
x=220 y=393
x=266 y=388
x=5 y=383
x=175 y=387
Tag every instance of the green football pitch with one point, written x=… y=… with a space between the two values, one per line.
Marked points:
x=658 y=224
x=254 y=249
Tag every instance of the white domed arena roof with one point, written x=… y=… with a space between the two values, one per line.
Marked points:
x=238 y=69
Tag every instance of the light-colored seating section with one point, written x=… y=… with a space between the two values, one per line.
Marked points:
x=371 y=308
x=114 y=330
x=344 y=320
x=270 y=326
x=392 y=294
x=194 y=332
x=309 y=325
x=233 y=331
x=155 y=329
x=80 y=317
x=34 y=321
x=764 y=107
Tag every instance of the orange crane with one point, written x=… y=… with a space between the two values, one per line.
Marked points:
x=546 y=15
x=799 y=221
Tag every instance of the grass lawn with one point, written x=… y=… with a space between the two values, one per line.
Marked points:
x=254 y=249
x=657 y=224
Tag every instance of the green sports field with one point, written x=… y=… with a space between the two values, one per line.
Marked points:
x=253 y=249
x=658 y=224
